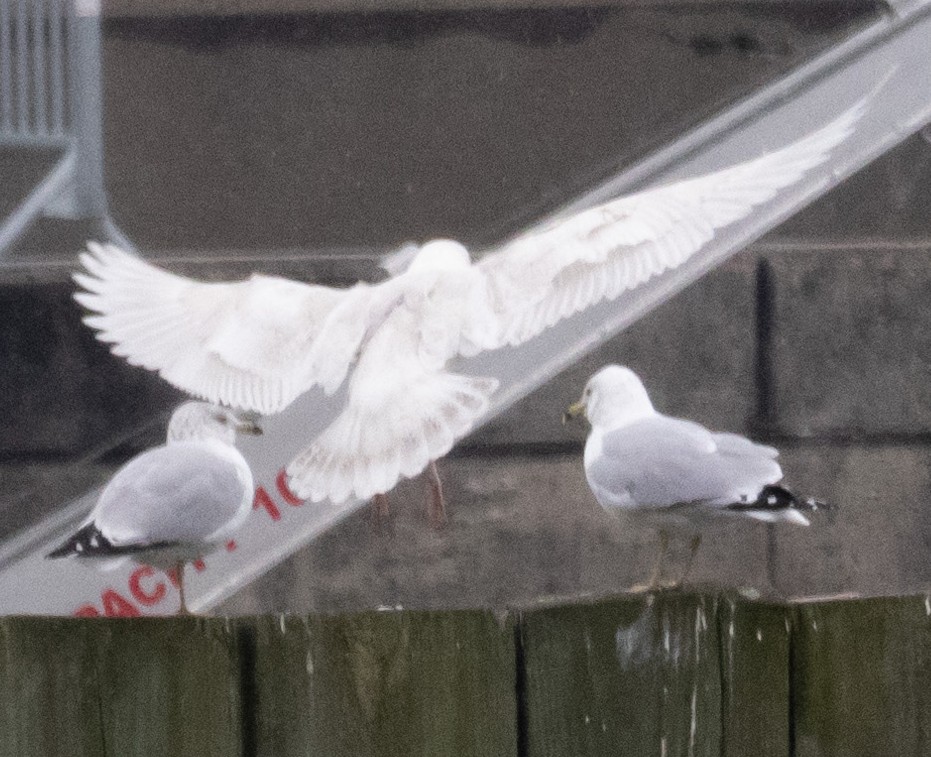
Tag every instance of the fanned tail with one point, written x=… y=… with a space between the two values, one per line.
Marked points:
x=377 y=441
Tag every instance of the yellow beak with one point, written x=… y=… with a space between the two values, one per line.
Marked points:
x=573 y=411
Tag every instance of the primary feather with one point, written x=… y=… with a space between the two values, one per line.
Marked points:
x=573 y=263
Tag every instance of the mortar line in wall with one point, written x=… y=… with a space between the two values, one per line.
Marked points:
x=805 y=245
x=57 y=268
x=841 y=438
x=844 y=438
x=517 y=449
x=848 y=438
x=762 y=361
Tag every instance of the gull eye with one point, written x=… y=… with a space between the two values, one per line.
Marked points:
x=220 y=418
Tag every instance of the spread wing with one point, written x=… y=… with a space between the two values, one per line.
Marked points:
x=254 y=344
x=550 y=274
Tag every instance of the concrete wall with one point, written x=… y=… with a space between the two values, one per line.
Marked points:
x=260 y=133
x=251 y=143
x=264 y=140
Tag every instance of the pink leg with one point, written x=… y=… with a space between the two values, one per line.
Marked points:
x=381 y=505
x=436 y=504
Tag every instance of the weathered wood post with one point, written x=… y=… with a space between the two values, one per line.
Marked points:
x=670 y=673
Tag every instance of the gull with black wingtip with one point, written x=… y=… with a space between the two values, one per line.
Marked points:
x=173 y=503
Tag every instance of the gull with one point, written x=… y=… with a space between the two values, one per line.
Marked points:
x=637 y=459
x=176 y=502
x=260 y=343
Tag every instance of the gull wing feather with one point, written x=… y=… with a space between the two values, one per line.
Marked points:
x=182 y=493
x=403 y=410
x=663 y=461
x=247 y=344
x=549 y=274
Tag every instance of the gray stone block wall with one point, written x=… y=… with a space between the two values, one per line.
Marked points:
x=527 y=529
x=62 y=394
x=829 y=342
x=215 y=161
x=249 y=141
x=167 y=8
x=264 y=132
x=848 y=348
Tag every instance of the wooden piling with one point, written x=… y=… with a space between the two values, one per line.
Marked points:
x=670 y=673
x=385 y=683
x=141 y=686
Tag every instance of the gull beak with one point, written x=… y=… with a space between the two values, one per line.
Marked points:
x=249 y=427
x=573 y=411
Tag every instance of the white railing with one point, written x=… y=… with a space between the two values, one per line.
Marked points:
x=50 y=97
x=33 y=87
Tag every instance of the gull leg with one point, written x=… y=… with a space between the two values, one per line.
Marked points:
x=436 y=504
x=694 y=544
x=657 y=573
x=179 y=571
x=381 y=505
x=772 y=556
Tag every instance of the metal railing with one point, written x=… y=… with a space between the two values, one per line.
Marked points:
x=50 y=97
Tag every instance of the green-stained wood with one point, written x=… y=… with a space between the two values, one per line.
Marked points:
x=861 y=678
x=169 y=686
x=146 y=687
x=665 y=674
x=48 y=688
x=638 y=675
x=404 y=684
x=754 y=678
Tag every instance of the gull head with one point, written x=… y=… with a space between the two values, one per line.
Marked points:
x=613 y=397
x=203 y=420
x=440 y=255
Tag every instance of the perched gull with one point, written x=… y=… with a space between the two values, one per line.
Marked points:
x=639 y=459
x=176 y=502
x=260 y=343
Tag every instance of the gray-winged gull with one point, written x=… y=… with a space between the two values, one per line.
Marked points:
x=637 y=459
x=176 y=502
x=260 y=343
